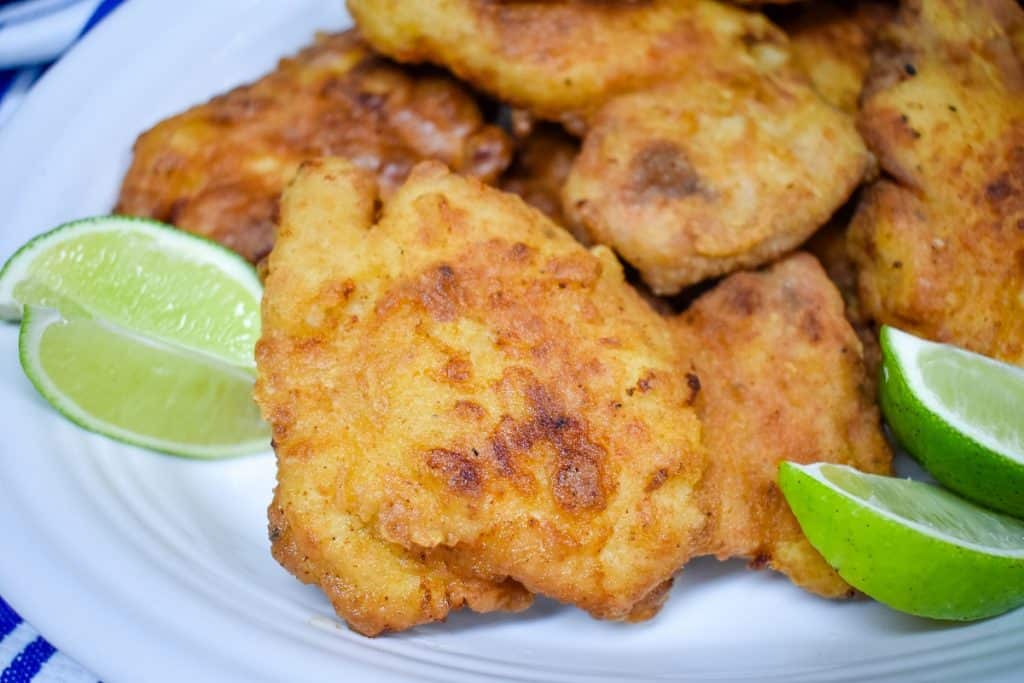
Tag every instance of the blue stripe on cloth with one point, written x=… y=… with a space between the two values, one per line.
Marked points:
x=9 y=619
x=104 y=8
x=29 y=661
x=6 y=78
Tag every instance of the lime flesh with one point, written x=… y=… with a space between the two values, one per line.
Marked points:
x=135 y=390
x=958 y=413
x=910 y=545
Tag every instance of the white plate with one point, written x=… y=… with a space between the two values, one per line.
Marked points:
x=145 y=567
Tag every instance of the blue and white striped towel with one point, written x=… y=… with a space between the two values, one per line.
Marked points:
x=33 y=34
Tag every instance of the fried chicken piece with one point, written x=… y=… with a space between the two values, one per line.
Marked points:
x=781 y=378
x=562 y=60
x=539 y=169
x=712 y=173
x=218 y=168
x=465 y=401
x=939 y=242
x=832 y=42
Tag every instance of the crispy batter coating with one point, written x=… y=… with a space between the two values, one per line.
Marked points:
x=712 y=173
x=562 y=60
x=832 y=42
x=939 y=243
x=465 y=400
x=539 y=169
x=218 y=168
x=781 y=378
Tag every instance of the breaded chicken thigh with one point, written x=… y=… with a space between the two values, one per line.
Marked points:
x=712 y=173
x=782 y=377
x=217 y=169
x=939 y=240
x=464 y=402
x=561 y=60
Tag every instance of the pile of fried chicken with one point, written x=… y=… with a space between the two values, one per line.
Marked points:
x=535 y=318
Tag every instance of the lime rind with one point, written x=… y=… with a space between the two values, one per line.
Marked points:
x=910 y=566
x=974 y=457
x=35 y=322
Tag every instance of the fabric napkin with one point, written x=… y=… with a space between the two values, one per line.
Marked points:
x=34 y=34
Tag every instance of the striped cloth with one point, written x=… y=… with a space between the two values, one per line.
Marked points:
x=33 y=34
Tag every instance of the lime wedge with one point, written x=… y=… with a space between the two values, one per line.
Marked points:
x=960 y=414
x=141 y=275
x=910 y=545
x=138 y=331
x=139 y=391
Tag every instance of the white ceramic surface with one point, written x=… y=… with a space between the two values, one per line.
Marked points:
x=145 y=567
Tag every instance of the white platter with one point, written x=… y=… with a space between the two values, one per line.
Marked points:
x=145 y=567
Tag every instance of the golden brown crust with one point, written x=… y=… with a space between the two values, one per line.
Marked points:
x=461 y=393
x=376 y=585
x=832 y=42
x=218 y=168
x=562 y=60
x=781 y=378
x=712 y=173
x=939 y=243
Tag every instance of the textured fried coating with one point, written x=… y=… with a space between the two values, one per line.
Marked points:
x=539 y=168
x=939 y=242
x=781 y=378
x=712 y=173
x=375 y=584
x=465 y=400
x=217 y=169
x=562 y=60
x=831 y=41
